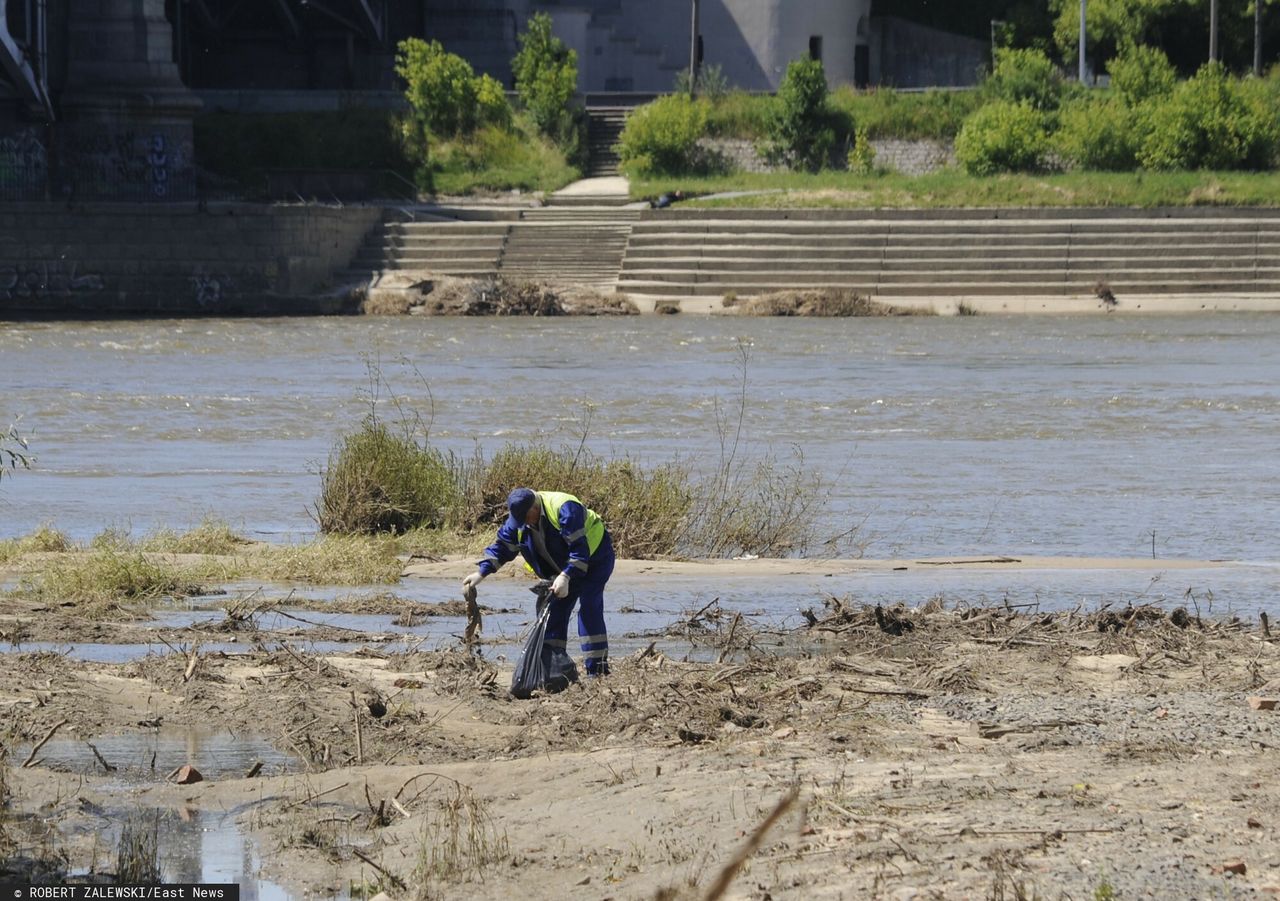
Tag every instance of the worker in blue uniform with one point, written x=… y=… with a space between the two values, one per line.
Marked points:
x=561 y=540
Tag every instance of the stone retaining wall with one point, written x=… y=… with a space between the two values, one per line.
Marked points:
x=906 y=157
x=136 y=259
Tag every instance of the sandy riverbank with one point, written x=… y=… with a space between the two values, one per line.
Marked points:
x=933 y=753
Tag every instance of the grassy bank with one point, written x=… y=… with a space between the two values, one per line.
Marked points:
x=954 y=189
x=114 y=574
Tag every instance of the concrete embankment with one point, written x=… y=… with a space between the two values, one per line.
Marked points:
x=246 y=259
x=117 y=259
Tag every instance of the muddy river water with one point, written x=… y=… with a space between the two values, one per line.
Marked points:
x=1093 y=436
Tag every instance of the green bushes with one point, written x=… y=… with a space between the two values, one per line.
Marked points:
x=546 y=74
x=497 y=159
x=376 y=478
x=461 y=130
x=1024 y=76
x=645 y=511
x=928 y=115
x=1002 y=137
x=1140 y=73
x=445 y=94
x=801 y=125
x=1100 y=135
x=380 y=480
x=662 y=137
x=1211 y=122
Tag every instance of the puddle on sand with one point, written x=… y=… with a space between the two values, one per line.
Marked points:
x=198 y=846
x=150 y=756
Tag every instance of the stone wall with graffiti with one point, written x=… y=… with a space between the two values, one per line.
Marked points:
x=24 y=165
x=144 y=163
x=134 y=259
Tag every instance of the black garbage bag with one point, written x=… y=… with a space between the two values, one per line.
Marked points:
x=539 y=667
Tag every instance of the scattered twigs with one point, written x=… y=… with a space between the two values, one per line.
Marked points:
x=355 y=712
x=42 y=742
x=728 y=642
x=1053 y=830
x=101 y=760
x=396 y=880
x=310 y=798
x=725 y=878
x=892 y=692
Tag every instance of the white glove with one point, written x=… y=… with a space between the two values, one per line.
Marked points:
x=471 y=581
x=560 y=587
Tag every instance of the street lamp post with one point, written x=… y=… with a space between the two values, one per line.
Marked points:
x=1082 y=33
x=1257 y=38
x=1213 y=31
x=693 y=50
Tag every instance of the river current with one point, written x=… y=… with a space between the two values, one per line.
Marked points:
x=1090 y=436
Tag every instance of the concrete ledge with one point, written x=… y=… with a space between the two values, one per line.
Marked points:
x=1047 y=305
x=1194 y=212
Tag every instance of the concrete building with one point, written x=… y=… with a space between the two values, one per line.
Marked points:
x=97 y=98
x=643 y=47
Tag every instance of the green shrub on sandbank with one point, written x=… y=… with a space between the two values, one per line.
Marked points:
x=743 y=504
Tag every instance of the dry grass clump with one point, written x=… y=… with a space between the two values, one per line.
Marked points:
x=386 y=303
x=505 y=297
x=212 y=536
x=384 y=479
x=333 y=560
x=43 y=540
x=582 y=301
x=110 y=575
x=826 y=302
x=138 y=855
x=640 y=507
x=491 y=297
x=381 y=479
x=459 y=843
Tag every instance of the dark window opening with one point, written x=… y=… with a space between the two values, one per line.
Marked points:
x=698 y=51
x=815 y=47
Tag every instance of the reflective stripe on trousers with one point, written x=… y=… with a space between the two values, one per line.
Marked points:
x=590 y=600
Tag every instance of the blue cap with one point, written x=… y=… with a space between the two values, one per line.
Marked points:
x=519 y=502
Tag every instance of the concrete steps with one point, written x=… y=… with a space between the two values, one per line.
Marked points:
x=463 y=249
x=703 y=253
x=604 y=127
x=580 y=245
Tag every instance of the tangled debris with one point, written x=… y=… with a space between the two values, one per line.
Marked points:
x=825 y=302
x=441 y=295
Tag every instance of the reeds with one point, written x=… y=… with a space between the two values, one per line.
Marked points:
x=459 y=842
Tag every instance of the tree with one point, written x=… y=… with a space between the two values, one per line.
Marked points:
x=444 y=91
x=800 y=125
x=1212 y=121
x=1025 y=76
x=1109 y=24
x=546 y=74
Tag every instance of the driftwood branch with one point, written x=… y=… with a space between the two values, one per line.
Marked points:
x=726 y=875
x=42 y=742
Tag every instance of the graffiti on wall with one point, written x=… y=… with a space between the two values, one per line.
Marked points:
x=47 y=281
x=24 y=164
x=148 y=165
x=158 y=166
x=210 y=290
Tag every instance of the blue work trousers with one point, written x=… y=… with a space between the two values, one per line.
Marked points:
x=588 y=593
